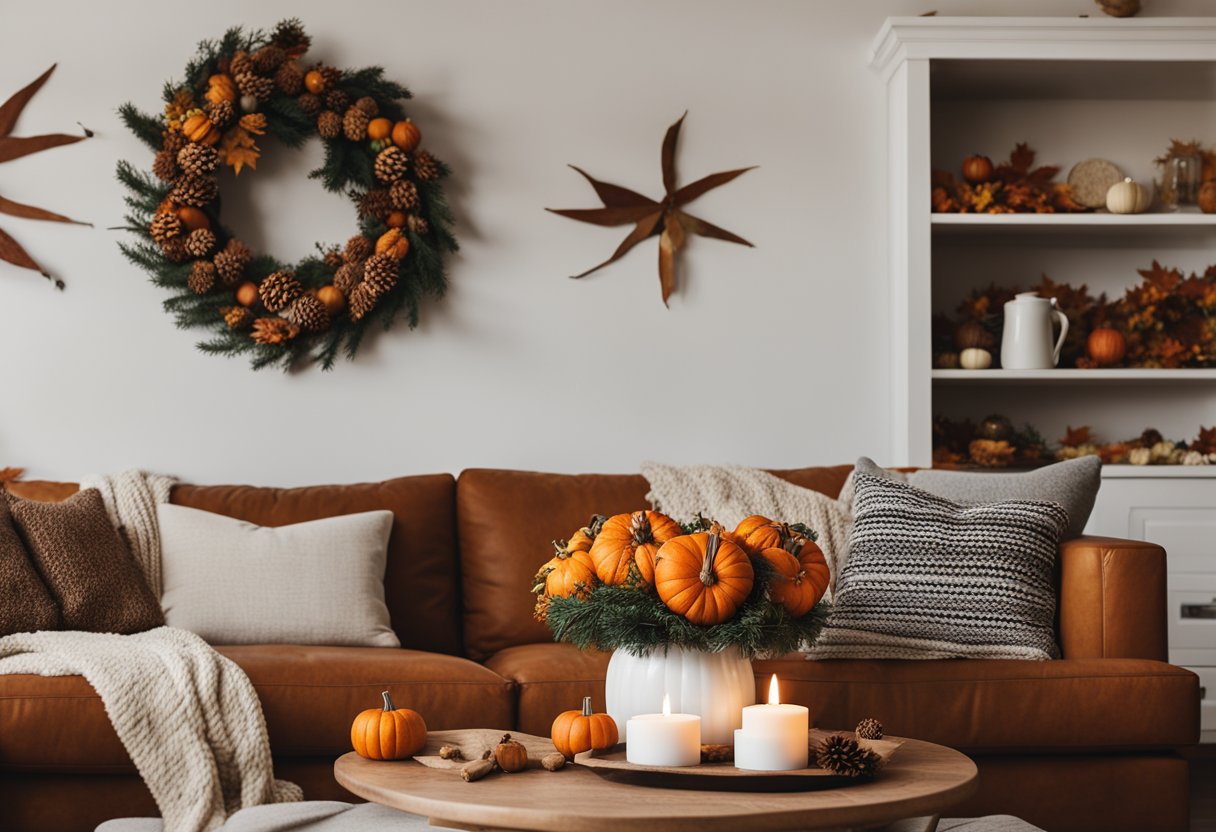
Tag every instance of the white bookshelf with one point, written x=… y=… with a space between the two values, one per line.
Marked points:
x=1074 y=377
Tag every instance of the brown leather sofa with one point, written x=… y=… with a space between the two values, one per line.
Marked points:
x=1088 y=742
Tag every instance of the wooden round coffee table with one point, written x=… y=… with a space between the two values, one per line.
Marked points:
x=922 y=780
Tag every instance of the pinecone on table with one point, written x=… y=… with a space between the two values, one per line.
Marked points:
x=221 y=113
x=425 y=166
x=289 y=78
x=309 y=103
x=361 y=301
x=196 y=191
x=202 y=277
x=417 y=224
x=404 y=194
x=274 y=331
x=347 y=277
x=165 y=226
x=329 y=124
x=842 y=755
x=358 y=248
x=354 y=124
x=279 y=289
x=250 y=83
x=198 y=159
x=268 y=59
x=869 y=729
x=164 y=166
x=375 y=204
x=380 y=274
x=369 y=106
x=308 y=313
x=237 y=317
x=231 y=262
x=336 y=100
x=391 y=164
x=200 y=242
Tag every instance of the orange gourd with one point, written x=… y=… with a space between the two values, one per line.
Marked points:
x=703 y=577
x=333 y=299
x=314 y=81
x=394 y=243
x=193 y=218
x=388 y=733
x=220 y=88
x=756 y=533
x=1107 y=347
x=574 y=732
x=379 y=129
x=395 y=219
x=624 y=550
x=569 y=573
x=198 y=128
x=247 y=293
x=977 y=169
x=406 y=135
x=800 y=576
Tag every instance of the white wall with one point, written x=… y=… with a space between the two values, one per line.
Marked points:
x=768 y=356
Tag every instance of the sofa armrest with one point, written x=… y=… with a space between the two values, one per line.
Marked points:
x=1112 y=599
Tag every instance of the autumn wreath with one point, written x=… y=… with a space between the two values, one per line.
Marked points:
x=238 y=91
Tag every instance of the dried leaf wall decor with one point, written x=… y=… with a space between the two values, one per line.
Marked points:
x=664 y=218
x=14 y=147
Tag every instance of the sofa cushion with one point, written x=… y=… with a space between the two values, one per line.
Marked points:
x=549 y=679
x=25 y=602
x=506 y=520
x=420 y=584
x=1067 y=706
x=309 y=696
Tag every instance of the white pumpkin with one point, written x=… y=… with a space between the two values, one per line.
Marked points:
x=975 y=359
x=1128 y=197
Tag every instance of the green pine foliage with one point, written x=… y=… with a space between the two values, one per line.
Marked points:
x=348 y=168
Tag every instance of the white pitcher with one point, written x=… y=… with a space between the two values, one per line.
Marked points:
x=1027 y=343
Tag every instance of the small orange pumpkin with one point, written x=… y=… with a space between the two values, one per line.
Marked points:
x=406 y=136
x=800 y=579
x=388 y=733
x=198 y=128
x=220 y=88
x=574 y=732
x=193 y=218
x=393 y=243
x=379 y=129
x=247 y=293
x=756 y=533
x=703 y=577
x=569 y=573
x=624 y=550
x=332 y=297
x=314 y=81
x=396 y=219
x=977 y=169
x=1107 y=347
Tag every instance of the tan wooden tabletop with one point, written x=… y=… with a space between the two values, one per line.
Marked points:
x=922 y=780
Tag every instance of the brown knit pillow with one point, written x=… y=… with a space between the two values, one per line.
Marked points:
x=25 y=603
x=85 y=564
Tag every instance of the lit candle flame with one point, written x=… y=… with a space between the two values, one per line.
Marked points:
x=666 y=705
x=774 y=696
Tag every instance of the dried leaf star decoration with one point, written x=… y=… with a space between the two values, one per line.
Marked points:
x=665 y=218
x=11 y=148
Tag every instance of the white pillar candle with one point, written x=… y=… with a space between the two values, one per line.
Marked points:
x=773 y=736
x=664 y=739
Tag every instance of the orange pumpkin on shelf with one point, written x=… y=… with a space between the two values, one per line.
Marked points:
x=388 y=733
x=624 y=550
x=977 y=168
x=1107 y=347
x=801 y=576
x=407 y=136
x=703 y=577
x=574 y=732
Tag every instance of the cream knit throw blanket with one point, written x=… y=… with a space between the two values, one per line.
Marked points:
x=729 y=493
x=189 y=718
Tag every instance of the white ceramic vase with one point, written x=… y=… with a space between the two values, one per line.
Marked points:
x=714 y=686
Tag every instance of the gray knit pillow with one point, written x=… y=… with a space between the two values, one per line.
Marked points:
x=930 y=579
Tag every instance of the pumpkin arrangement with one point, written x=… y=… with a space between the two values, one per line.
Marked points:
x=641 y=580
x=239 y=92
x=1015 y=186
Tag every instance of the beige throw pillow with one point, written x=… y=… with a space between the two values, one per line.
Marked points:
x=320 y=582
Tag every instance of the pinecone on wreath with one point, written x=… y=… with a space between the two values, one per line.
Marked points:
x=274 y=331
x=240 y=64
x=337 y=100
x=165 y=226
x=278 y=290
x=309 y=103
x=237 y=317
x=391 y=164
x=202 y=277
x=361 y=300
x=172 y=142
x=175 y=249
x=332 y=257
x=200 y=242
x=404 y=194
x=259 y=86
x=425 y=166
x=375 y=204
x=268 y=59
x=308 y=313
x=221 y=113
x=417 y=224
x=290 y=78
x=380 y=274
x=869 y=729
x=198 y=159
x=195 y=191
x=231 y=262
x=348 y=276
x=358 y=248
x=842 y=755
x=369 y=106
x=354 y=124
x=164 y=166
x=329 y=125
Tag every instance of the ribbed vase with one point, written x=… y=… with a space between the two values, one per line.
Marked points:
x=714 y=686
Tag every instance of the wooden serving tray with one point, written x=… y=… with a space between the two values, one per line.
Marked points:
x=612 y=765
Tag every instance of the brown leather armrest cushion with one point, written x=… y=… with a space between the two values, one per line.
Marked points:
x=1112 y=599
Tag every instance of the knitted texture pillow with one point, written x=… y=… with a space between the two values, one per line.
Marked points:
x=25 y=603
x=86 y=566
x=926 y=578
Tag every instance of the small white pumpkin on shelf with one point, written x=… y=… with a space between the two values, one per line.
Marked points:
x=1128 y=197
x=975 y=359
